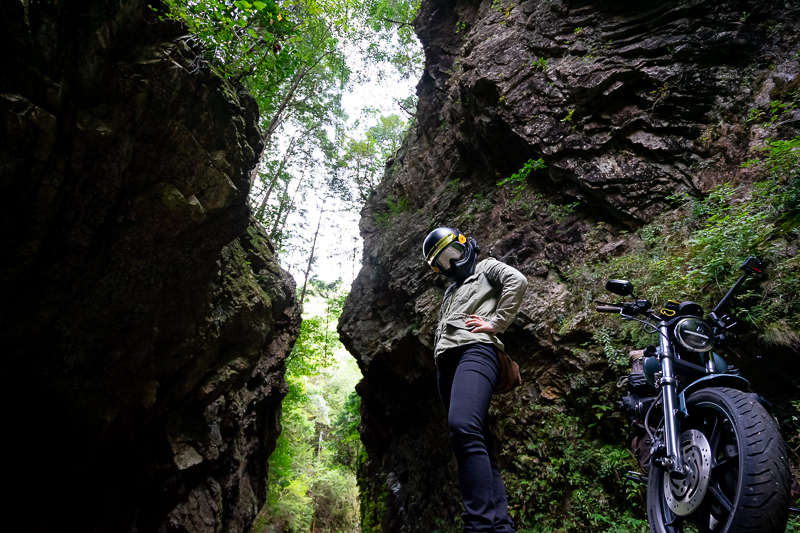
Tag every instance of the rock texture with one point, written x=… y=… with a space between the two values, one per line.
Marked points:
x=145 y=320
x=627 y=103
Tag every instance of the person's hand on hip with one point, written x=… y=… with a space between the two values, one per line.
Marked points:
x=480 y=325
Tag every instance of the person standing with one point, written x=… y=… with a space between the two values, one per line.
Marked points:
x=481 y=302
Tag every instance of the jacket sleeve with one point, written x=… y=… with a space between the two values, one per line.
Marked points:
x=512 y=284
x=447 y=295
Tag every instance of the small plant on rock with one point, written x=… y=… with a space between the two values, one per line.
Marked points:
x=453 y=185
x=540 y=63
x=755 y=114
x=522 y=174
x=395 y=209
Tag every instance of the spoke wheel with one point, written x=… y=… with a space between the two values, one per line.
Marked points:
x=736 y=444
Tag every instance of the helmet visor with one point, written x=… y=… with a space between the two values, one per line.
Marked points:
x=454 y=251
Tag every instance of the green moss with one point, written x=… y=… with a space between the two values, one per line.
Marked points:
x=453 y=185
x=259 y=243
x=374 y=495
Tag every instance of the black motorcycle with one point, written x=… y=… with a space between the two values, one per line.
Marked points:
x=712 y=453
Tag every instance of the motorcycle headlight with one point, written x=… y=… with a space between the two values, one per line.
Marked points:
x=694 y=334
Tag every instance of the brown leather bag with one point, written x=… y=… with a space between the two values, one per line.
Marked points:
x=510 y=378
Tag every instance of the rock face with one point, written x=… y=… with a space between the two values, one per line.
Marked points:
x=145 y=319
x=627 y=103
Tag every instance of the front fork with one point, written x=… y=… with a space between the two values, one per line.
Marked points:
x=673 y=461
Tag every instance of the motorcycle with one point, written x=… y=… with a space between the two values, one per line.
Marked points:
x=712 y=453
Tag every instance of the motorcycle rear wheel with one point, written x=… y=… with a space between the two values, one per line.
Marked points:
x=748 y=484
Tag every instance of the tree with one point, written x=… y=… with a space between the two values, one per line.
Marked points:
x=308 y=483
x=312 y=94
x=310 y=104
x=347 y=440
x=362 y=160
x=311 y=255
x=238 y=38
x=384 y=31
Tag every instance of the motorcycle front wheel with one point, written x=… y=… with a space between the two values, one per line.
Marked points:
x=739 y=471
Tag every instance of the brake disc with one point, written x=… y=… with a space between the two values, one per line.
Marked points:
x=684 y=495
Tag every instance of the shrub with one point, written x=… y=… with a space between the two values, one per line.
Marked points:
x=695 y=254
x=395 y=208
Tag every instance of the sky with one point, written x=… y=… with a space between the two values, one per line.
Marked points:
x=339 y=244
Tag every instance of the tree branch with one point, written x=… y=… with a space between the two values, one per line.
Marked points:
x=404 y=108
x=400 y=24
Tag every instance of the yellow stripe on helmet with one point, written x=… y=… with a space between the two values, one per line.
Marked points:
x=441 y=245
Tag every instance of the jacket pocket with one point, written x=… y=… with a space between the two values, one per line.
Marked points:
x=458 y=321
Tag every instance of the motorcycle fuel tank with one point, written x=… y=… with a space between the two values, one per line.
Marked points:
x=650 y=367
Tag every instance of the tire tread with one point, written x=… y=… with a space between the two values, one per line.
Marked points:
x=763 y=500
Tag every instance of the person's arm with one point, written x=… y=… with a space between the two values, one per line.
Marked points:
x=512 y=286
x=447 y=295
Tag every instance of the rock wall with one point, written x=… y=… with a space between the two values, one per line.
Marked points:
x=145 y=319
x=628 y=104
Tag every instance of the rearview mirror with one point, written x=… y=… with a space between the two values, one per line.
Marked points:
x=753 y=264
x=734 y=324
x=619 y=286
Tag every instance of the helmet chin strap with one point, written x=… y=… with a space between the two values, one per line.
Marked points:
x=466 y=267
x=460 y=275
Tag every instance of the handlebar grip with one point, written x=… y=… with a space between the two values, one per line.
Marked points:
x=608 y=309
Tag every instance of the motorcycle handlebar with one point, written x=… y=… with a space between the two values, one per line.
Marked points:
x=608 y=309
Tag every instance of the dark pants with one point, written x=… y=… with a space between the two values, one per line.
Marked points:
x=467 y=376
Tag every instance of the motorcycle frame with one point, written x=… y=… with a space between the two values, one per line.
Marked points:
x=675 y=403
x=673 y=461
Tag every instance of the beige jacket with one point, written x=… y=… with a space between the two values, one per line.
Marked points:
x=494 y=292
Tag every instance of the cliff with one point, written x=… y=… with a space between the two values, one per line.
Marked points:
x=145 y=319
x=633 y=107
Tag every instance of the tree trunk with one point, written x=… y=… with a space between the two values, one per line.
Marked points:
x=327 y=329
x=289 y=263
x=263 y=206
x=289 y=153
x=291 y=205
x=277 y=118
x=284 y=201
x=311 y=256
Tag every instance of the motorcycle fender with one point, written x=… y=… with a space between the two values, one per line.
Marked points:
x=717 y=380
